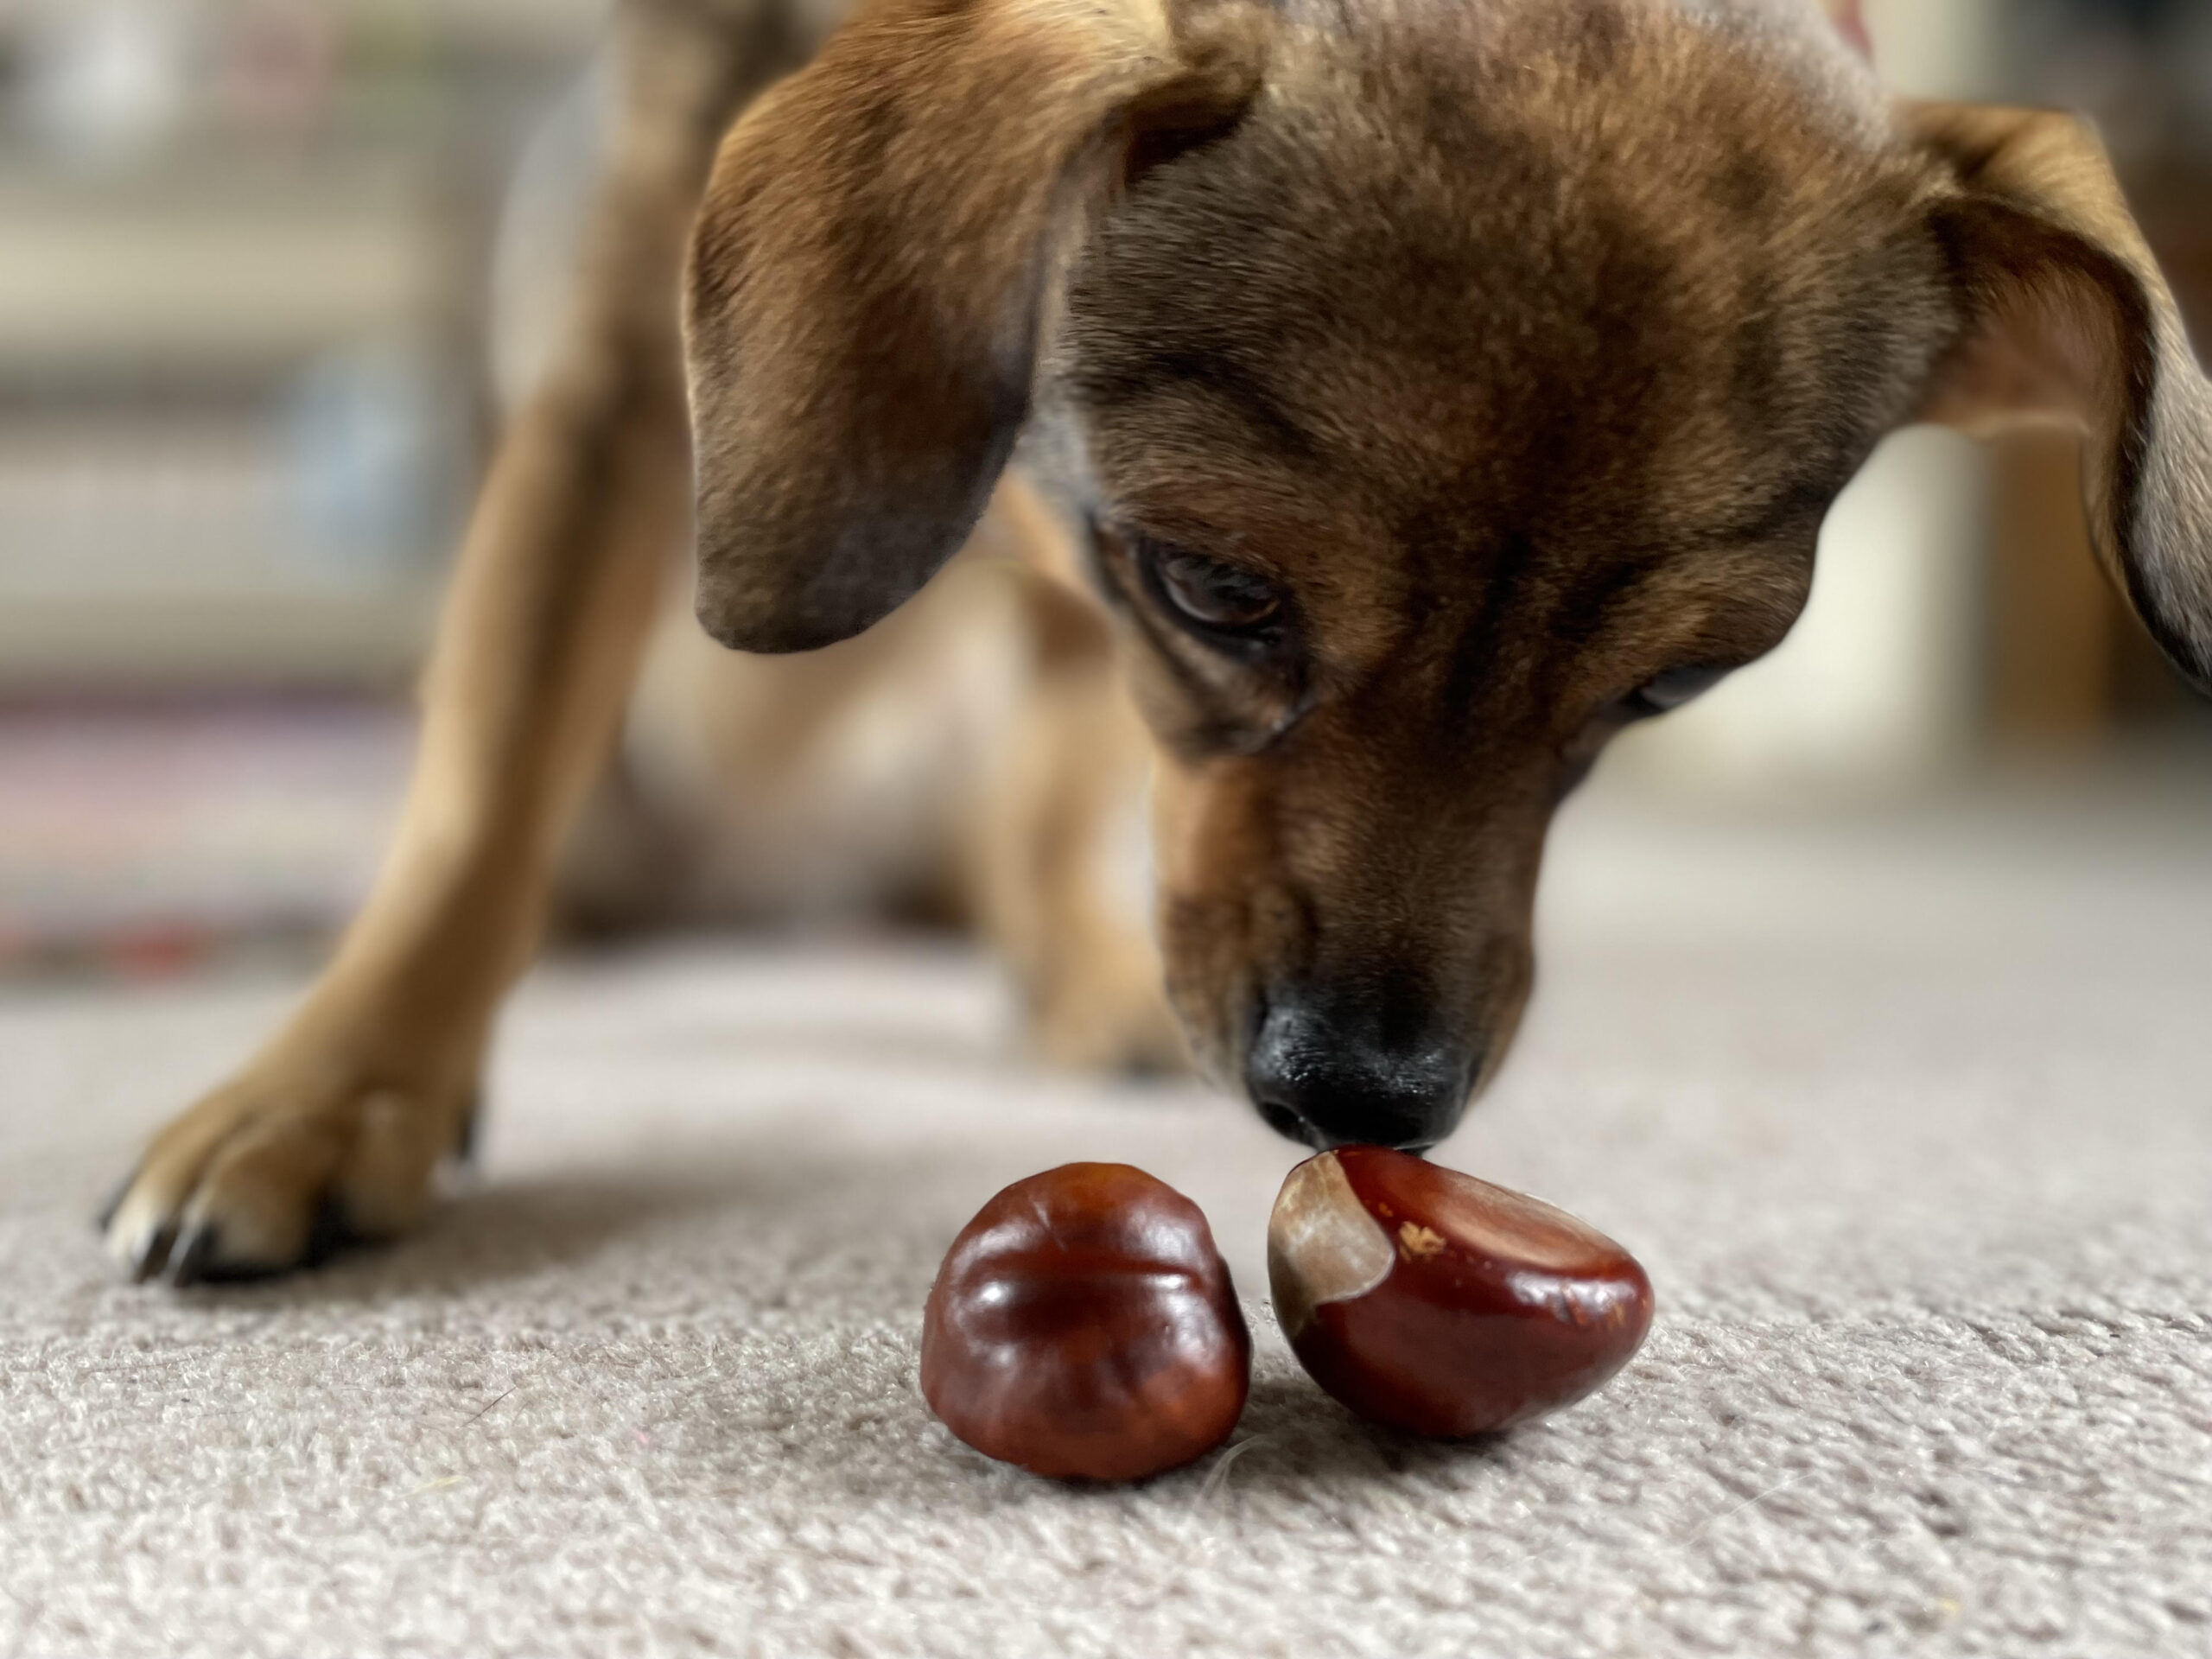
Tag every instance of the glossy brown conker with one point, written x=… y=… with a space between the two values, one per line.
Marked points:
x=1432 y=1301
x=1084 y=1327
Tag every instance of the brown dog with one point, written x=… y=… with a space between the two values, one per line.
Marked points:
x=1437 y=388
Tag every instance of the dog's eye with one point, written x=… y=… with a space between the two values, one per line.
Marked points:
x=1218 y=597
x=1670 y=690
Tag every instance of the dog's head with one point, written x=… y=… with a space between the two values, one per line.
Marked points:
x=1447 y=387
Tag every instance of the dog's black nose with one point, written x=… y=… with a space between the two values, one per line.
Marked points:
x=1331 y=1072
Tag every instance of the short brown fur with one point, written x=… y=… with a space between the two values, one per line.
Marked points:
x=1501 y=360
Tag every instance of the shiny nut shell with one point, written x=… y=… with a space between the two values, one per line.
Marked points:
x=1432 y=1301
x=1083 y=1326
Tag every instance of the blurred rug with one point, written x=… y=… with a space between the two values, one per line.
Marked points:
x=1908 y=1115
x=139 y=838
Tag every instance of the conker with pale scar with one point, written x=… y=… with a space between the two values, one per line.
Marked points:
x=1431 y=1301
x=1084 y=1327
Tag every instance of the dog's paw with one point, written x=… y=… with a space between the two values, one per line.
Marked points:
x=269 y=1174
x=1116 y=1021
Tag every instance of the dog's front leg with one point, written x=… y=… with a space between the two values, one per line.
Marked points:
x=333 y=1130
x=1063 y=886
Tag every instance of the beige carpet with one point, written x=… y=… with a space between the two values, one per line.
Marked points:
x=1909 y=1117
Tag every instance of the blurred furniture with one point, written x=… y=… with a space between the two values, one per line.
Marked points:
x=241 y=325
x=194 y=364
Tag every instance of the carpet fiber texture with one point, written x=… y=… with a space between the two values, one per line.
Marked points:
x=1907 y=1117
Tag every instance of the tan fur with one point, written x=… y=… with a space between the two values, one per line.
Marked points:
x=1516 y=348
x=336 y=1124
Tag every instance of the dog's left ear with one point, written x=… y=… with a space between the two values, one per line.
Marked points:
x=2067 y=321
x=880 y=257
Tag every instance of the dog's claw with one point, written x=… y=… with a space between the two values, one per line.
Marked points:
x=192 y=1255
x=198 y=1259
x=152 y=1254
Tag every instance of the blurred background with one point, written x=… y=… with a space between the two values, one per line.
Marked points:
x=266 y=264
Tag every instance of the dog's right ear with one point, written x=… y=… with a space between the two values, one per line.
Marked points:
x=880 y=252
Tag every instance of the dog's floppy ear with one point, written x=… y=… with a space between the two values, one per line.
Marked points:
x=1849 y=17
x=880 y=252
x=2068 y=321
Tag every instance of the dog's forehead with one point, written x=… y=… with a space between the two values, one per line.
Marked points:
x=1602 y=272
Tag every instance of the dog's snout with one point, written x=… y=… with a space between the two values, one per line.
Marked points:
x=1331 y=1073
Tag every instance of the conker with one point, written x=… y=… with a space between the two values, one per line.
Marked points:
x=1431 y=1301
x=1083 y=1326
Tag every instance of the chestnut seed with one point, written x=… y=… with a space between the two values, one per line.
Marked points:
x=1431 y=1301
x=1083 y=1326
